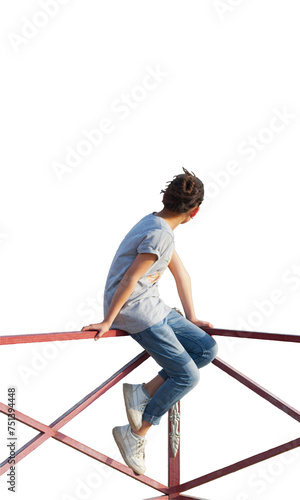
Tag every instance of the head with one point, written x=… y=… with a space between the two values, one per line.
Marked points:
x=184 y=195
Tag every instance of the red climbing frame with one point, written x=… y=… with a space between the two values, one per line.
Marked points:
x=174 y=490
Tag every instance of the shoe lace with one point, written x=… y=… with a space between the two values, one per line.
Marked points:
x=141 y=405
x=140 y=448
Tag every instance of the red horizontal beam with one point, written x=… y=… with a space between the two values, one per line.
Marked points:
x=239 y=465
x=258 y=389
x=165 y=497
x=282 y=337
x=177 y=497
x=184 y=497
x=50 y=337
x=89 y=334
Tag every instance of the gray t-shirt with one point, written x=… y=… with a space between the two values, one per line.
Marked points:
x=144 y=308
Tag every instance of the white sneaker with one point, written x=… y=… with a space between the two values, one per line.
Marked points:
x=135 y=402
x=132 y=448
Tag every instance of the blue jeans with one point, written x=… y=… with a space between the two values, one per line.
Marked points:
x=180 y=348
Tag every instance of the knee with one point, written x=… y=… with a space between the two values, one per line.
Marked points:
x=195 y=378
x=212 y=351
x=193 y=375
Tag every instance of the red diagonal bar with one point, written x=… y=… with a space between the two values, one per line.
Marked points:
x=96 y=393
x=31 y=422
x=50 y=337
x=76 y=445
x=240 y=465
x=75 y=410
x=258 y=389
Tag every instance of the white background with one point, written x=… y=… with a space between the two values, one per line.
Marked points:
x=228 y=71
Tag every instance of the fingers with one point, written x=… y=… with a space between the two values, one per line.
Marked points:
x=88 y=328
x=208 y=324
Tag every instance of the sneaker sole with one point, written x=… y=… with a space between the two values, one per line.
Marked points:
x=132 y=424
x=117 y=435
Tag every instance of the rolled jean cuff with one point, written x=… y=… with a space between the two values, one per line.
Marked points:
x=163 y=374
x=151 y=419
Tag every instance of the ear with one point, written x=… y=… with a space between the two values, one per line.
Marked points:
x=194 y=212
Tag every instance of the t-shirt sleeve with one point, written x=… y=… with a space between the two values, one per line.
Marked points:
x=155 y=242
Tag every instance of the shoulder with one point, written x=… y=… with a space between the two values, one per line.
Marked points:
x=150 y=228
x=153 y=224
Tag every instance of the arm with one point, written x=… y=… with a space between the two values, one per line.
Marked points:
x=183 y=284
x=138 y=268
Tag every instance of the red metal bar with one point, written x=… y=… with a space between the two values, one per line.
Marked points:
x=240 y=465
x=253 y=335
x=76 y=445
x=165 y=497
x=51 y=432
x=174 y=488
x=274 y=400
x=179 y=497
x=50 y=337
x=184 y=497
x=174 y=456
x=72 y=412
x=173 y=462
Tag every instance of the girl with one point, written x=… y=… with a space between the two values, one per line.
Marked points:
x=132 y=303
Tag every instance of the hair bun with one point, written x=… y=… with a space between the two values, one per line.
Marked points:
x=189 y=186
x=184 y=192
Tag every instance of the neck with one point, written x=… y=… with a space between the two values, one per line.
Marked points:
x=171 y=218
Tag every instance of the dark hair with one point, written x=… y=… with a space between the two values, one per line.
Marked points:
x=184 y=192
